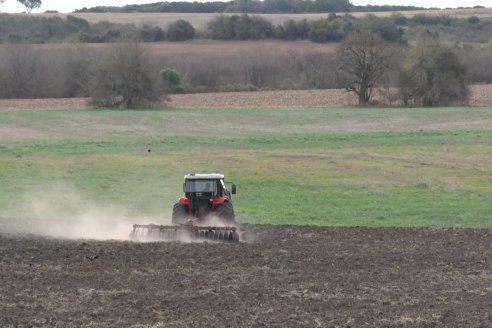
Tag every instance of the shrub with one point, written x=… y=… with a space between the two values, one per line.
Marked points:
x=422 y=19
x=76 y=24
x=323 y=30
x=399 y=19
x=386 y=28
x=293 y=30
x=221 y=28
x=252 y=28
x=171 y=80
x=180 y=30
x=473 y=20
x=151 y=34
x=242 y=27
x=432 y=75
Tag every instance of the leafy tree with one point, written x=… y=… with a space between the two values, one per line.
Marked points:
x=180 y=30
x=473 y=20
x=432 y=75
x=363 y=60
x=221 y=28
x=243 y=27
x=125 y=79
x=171 y=80
x=151 y=34
x=293 y=30
x=251 y=27
x=31 y=4
x=387 y=29
x=323 y=30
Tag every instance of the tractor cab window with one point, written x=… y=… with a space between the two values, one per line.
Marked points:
x=208 y=186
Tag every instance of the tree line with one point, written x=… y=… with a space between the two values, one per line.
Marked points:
x=333 y=28
x=426 y=73
x=248 y=6
x=54 y=29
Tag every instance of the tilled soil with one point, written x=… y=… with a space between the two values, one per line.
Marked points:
x=480 y=95
x=281 y=276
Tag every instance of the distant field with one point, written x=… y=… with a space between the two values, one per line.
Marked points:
x=200 y=19
x=324 y=166
x=220 y=49
x=205 y=48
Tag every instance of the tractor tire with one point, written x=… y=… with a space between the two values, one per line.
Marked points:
x=226 y=213
x=179 y=214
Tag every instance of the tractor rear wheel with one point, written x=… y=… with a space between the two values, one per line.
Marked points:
x=179 y=214
x=226 y=213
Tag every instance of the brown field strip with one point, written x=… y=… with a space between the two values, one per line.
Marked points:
x=480 y=95
x=204 y=48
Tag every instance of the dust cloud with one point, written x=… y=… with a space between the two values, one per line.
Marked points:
x=213 y=221
x=63 y=212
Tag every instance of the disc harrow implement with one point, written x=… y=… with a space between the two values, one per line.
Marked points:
x=153 y=232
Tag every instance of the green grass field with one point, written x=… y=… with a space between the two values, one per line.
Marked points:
x=330 y=167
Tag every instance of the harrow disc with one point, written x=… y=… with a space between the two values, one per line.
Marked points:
x=152 y=232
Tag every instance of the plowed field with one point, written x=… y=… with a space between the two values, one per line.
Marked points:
x=282 y=276
x=480 y=95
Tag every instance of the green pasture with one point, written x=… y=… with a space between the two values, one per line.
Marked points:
x=330 y=167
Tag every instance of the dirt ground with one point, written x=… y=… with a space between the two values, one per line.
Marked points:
x=480 y=95
x=282 y=276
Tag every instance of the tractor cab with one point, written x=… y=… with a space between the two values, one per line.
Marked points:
x=205 y=194
x=206 y=185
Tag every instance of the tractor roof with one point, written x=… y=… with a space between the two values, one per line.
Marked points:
x=200 y=176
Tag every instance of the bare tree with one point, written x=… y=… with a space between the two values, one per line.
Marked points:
x=125 y=79
x=31 y=4
x=363 y=59
x=19 y=73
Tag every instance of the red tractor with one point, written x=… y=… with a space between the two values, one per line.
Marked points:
x=205 y=195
